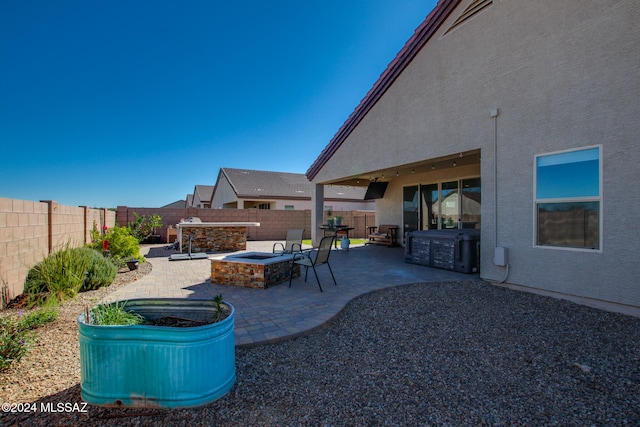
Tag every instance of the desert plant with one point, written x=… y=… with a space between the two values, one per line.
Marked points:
x=14 y=342
x=145 y=226
x=15 y=335
x=66 y=272
x=136 y=228
x=96 y=236
x=60 y=275
x=114 y=314
x=102 y=271
x=39 y=317
x=4 y=293
x=217 y=300
x=122 y=244
x=154 y=221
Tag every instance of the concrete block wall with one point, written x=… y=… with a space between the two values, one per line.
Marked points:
x=273 y=223
x=29 y=231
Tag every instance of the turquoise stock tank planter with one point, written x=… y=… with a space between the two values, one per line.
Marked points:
x=158 y=366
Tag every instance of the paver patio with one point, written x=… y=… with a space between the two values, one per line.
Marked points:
x=280 y=312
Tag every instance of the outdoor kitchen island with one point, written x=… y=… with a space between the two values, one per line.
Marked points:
x=213 y=236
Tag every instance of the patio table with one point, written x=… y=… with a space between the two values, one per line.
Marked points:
x=337 y=230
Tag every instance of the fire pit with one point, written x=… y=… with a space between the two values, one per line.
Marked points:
x=258 y=270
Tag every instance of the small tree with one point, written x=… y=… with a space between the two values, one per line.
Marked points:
x=136 y=228
x=145 y=226
x=154 y=221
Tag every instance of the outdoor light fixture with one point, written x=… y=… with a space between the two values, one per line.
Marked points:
x=433 y=167
x=397 y=174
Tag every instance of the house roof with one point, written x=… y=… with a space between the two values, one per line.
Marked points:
x=189 y=200
x=248 y=183
x=176 y=204
x=411 y=48
x=204 y=192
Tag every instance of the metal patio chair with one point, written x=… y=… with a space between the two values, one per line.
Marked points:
x=308 y=260
x=293 y=243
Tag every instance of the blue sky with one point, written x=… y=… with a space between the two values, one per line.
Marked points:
x=106 y=103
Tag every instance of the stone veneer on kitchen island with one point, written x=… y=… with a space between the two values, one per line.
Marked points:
x=214 y=236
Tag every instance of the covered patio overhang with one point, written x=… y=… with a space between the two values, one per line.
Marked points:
x=393 y=171
x=443 y=166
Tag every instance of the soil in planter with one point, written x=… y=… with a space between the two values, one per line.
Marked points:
x=182 y=322
x=176 y=322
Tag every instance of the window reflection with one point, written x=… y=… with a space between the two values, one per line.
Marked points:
x=471 y=203
x=449 y=210
x=573 y=174
x=568 y=199
x=569 y=224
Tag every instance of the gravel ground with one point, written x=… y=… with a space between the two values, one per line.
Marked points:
x=464 y=353
x=53 y=364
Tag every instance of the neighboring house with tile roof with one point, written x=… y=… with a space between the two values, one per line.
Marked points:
x=534 y=106
x=202 y=196
x=255 y=189
x=189 y=202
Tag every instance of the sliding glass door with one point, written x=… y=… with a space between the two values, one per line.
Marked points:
x=470 y=203
x=410 y=209
x=451 y=204
x=429 y=207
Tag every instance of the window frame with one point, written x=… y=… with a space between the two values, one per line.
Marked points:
x=558 y=200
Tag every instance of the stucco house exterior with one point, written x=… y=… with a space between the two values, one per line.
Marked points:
x=255 y=189
x=522 y=118
x=201 y=197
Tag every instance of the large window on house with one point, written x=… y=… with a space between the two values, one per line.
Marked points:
x=568 y=198
x=450 y=204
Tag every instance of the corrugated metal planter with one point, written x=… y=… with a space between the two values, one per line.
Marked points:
x=158 y=366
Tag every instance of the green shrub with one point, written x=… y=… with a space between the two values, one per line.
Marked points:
x=61 y=274
x=14 y=342
x=145 y=226
x=15 y=335
x=66 y=272
x=37 y=318
x=102 y=271
x=122 y=245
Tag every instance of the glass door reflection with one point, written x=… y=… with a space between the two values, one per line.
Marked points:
x=450 y=206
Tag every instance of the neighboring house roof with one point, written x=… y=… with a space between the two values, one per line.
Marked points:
x=189 y=200
x=176 y=204
x=420 y=37
x=264 y=184
x=204 y=192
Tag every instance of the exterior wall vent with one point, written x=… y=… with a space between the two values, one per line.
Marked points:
x=474 y=8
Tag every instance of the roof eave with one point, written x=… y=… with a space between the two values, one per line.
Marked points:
x=411 y=48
